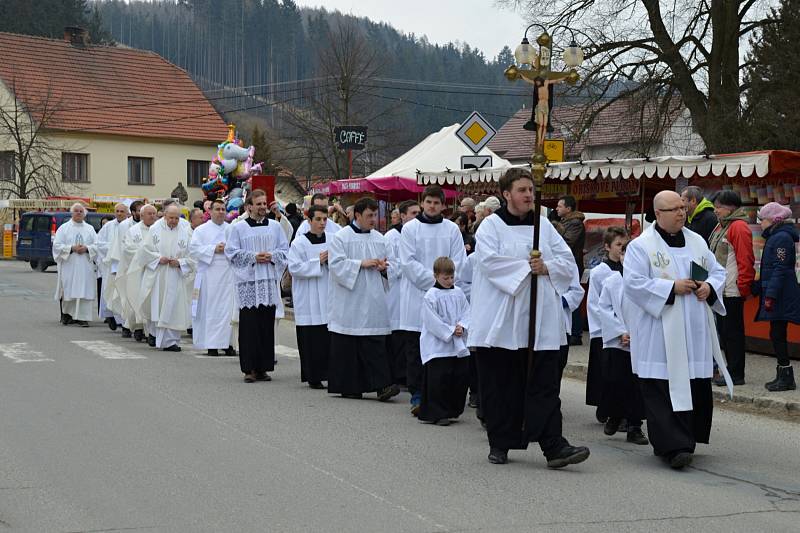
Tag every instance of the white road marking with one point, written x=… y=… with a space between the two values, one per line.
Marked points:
x=287 y=351
x=19 y=352
x=108 y=350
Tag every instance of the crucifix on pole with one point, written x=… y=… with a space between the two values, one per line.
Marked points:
x=535 y=68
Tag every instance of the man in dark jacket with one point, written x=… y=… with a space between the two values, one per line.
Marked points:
x=294 y=218
x=575 y=235
x=700 y=217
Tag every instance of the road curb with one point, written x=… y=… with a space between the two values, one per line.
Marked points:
x=768 y=405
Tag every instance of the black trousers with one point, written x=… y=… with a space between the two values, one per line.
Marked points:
x=409 y=345
x=520 y=407
x=594 y=373
x=731 y=330
x=358 y=364
x=671 y=432
x=257 y=339
x=622 y=397
x=444 y=388
x=314 y=346
x=777 y=334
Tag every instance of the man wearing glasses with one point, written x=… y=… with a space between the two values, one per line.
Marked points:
x=673 y=276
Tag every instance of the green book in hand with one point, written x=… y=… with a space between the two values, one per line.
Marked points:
x=698 y=272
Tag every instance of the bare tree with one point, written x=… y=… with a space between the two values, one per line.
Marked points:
x=688 y=47
x=348 y=63
x=35 y=168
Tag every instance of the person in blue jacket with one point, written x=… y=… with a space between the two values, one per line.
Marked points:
x=778 y=288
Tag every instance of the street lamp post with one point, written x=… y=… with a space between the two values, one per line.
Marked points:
x=535 y=68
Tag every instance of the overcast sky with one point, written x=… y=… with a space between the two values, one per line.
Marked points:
x=477 y=22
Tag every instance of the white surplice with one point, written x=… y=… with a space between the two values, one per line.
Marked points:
x=442 y=310
x=597 y=276
x=394 y=275
x=257 y=283
x=212 y=298
x=104 y=238
x=616 y=312
x=309 y=280
x=501 y=285
x=114 y=296
x=651 y=268
x=168 y=288
x=356 y=297
x=420 y=245
x=570 y=301
x=77 y=277
x=134 y=244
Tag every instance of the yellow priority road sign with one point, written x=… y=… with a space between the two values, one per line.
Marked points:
x=554 y=150
x=475 y=132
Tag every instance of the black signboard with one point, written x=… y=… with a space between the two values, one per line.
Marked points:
x=350 y=137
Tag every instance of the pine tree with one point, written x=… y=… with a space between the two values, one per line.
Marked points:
x=263 y=150
x=772 y=112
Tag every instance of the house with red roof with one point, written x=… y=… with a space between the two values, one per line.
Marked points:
x=126 y=121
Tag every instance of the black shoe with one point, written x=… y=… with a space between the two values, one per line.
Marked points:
x=356 y=396
x=387 y=393
x=213 y=352
x=568 y=455
x=681 y=460
x=173 y=348
x=612 y=425
x=66 y=320
x=112 y=324
x=600 y=418
x=126 y=333
x=785 y=380
x=498 y=456
x=315 y=385
x=623 y=426
x=636 y=436
x=473 y=400
x=263 y=376
x=189 y=331
x=151 y=341
x=230 y=352
x=575 y=340
x=138 y=334
x=82 y=323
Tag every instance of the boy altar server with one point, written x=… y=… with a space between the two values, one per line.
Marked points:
x=308 y=265
x=443 y=347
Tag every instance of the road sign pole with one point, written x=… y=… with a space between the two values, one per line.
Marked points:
x=349 y=164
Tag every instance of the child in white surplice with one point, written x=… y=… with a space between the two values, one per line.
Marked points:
x=443 y=348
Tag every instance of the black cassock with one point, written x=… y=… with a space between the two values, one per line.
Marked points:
x=358 y=364
x=445 y=381
x=671 y=431
x=257 y=339
x=314 y=345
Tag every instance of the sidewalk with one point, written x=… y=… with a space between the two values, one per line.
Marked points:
x=751 y=396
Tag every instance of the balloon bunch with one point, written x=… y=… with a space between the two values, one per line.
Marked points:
x=230 y=173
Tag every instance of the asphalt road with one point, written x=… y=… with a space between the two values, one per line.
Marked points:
x=99 y=433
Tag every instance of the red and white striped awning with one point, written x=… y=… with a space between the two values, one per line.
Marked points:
x=744 y=165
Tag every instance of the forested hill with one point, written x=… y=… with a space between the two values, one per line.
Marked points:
x=266 y=46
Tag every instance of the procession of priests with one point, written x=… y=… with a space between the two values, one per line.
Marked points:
x=412 y=311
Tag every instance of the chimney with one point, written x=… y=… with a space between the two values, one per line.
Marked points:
x=76 y=36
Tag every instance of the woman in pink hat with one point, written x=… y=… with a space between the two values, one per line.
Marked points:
x=778 y=288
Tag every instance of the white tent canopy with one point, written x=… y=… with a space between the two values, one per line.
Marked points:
x=440 y=151
x=744 y=165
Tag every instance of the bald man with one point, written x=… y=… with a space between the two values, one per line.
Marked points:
x=105 y=241
x=74 y=250
x=167 y=280
x=129 y=275
x=671 y=274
